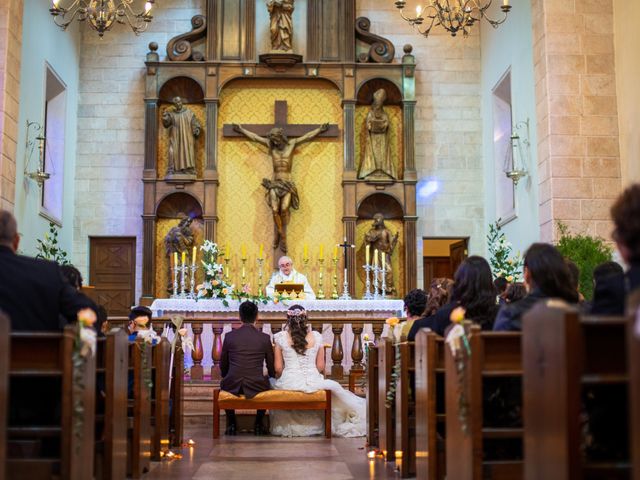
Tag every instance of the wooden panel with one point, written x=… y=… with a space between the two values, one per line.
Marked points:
x=331 y=30
x=230 y=29
x=436 y=267
x=458 y=252
x=112 y=271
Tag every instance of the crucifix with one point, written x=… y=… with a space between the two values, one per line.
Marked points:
x=281 y=139
x=345 y=285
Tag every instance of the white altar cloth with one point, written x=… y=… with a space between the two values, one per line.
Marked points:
x=166 y=306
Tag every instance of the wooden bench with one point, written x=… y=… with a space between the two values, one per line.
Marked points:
x=273 y=400
x=566 y=355
x=36 y=357
x=161 y=359
x=405 y=406
x=176 y=421
x=386 y=416
x=372 y=398
x=111 y=410
x=430 y=408
x=633 y=346
x=139 y=410
x=493 y=355
x=5 y=349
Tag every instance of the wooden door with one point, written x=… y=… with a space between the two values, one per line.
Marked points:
x=112 y=272
x=457 y=253
x=436 y=267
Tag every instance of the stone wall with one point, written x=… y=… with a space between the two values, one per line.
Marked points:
x=10 y=47
x=111 y=128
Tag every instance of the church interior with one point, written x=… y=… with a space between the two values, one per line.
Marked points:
x=324 y=238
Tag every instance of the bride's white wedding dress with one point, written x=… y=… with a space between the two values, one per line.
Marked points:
x=348 y=411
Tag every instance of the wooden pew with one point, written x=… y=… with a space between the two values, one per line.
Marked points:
x=372 y=398
x=493 y=355
x=160 y=401
x=139 y=410
x=430 y=418
x=5 y=349
x=633 y=346
x=39 y=356
x=111 y=424
x=564 y=356
x=405 y=407
x=176 y=422
x=386 y=416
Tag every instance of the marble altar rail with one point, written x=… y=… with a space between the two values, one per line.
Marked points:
x=208 y=335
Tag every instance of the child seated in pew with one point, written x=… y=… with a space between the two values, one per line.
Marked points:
x=140 y=323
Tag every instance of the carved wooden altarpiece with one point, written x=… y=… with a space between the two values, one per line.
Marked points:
x=222 y=47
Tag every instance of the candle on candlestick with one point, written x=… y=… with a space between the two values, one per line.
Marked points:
x=184 y=258
x=383 y=257
x=505 y=3
x=243 y=251
x=375 y=257
x=366 y=254
x=321 y=254
x=175 y=259
x=335 y=252
x=193 y=256
x=305 y=252
x=227 y=252
x=243 y=272
x=260 y=255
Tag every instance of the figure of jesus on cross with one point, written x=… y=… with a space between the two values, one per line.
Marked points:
x=282 y=193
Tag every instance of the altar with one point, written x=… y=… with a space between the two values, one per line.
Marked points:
x=341 y=322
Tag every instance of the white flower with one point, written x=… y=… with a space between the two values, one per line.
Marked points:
x=187 y=342
x=148 y=336
x=88 y=340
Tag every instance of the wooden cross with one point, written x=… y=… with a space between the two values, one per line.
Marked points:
x=290 y=130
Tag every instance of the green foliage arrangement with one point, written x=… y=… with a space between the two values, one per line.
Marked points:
x=504 y=263
x=587 y=252
x=49 y=249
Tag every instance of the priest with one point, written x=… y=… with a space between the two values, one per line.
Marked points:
x=287 y=274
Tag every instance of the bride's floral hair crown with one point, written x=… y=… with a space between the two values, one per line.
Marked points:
x=296 y=312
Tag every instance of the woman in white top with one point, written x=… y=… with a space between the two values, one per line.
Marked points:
x=299 y=363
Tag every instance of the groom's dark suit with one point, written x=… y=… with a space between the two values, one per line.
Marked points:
x=244 y=352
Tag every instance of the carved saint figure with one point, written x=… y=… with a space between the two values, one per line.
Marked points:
x=282 y=193
x=377 y=160
x=280 y=12
x=380 y=237
x=184 y=128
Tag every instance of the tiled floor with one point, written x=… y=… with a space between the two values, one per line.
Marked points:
x=265 y=458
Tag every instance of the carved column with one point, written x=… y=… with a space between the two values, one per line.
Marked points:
x=408 y=114
x=212 y=30
x=197 y=354
x=357 y=353
x=410 y=261
x=350 y=233
x=212 y=134
x=337 y=354
x=216 y=353
x=151 y=134
x=148 y=257
x=349 y=116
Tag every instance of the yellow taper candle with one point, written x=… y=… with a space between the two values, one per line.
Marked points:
x=305 y=252
x=261 y=254
x=321 y=254
x=193 y=257
x=367 y=248
x=383 y=257
x=175 y=259
x=375 y=257
x=184 y=258
x=243 y=251
x=227 y=252
x=335 y=252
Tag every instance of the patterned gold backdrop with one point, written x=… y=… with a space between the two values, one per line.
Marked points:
x=397 y=260
x=163 y=139
x=244 y=216
x=395 y=134
x=162 y=261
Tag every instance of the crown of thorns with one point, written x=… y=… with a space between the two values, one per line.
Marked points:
x=296 y=312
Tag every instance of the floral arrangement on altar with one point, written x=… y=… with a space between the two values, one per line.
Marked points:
x=503 y=262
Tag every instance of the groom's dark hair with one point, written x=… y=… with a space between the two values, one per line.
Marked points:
x=248 y=312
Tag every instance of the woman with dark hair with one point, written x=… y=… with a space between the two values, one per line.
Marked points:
x=299 y=365
x=472 y=289
x=546 y=275
x=514 y=292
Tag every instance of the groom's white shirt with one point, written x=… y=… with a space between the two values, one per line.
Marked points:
x=293 y=277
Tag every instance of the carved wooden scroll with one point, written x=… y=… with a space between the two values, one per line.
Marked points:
x=381 y=49
x=180 y=48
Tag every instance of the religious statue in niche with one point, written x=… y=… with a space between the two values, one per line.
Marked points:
x=282 y=194
x=280 y=12
x=184 y=129
x=380 y=237
x=377 y=163
x=179 y=239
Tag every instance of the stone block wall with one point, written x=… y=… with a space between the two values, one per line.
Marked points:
x=10 y=48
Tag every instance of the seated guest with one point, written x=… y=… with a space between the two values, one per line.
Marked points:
x=439 y=295
x=625 y=213
x=515 y=291
x=574 y=272
x=546 y=275
x=501 y=285
x=287 y=274
x=472 y=289
x=74 y=277
x=608 y=289
x=415 y=303
x=139 y=319
x=33 y=292
x=244 y=353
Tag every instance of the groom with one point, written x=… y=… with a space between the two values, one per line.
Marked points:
x=244 y=352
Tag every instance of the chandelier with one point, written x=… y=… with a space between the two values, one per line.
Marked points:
x=452 y=15
x=101 y=15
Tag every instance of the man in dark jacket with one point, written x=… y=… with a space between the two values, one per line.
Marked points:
x=34 y=292
x=244 y=352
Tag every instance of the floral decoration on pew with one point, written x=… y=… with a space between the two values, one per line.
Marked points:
x=395 y=334
x=457 y=339
x=84 y=347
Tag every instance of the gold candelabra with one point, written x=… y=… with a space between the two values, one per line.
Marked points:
x=227 y=278
x=305 y=262
x=320 y=295
x=243 y=277
x=334 y=294
x=260 y=267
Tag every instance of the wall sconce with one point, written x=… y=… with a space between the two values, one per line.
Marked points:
x=39 y=175
x=521 y=149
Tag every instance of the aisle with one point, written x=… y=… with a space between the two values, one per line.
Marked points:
x=266 y=458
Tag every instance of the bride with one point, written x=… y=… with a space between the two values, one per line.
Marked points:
x=299 y=361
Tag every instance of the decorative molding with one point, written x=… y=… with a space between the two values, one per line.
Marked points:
x=180 y=49
x=381 y=50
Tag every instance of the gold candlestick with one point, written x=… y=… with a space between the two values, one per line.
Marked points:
x=305 y=262
x=227 y=278
x=260 y=264
x=243 y=276
x=320 y=295
x=334 y=294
